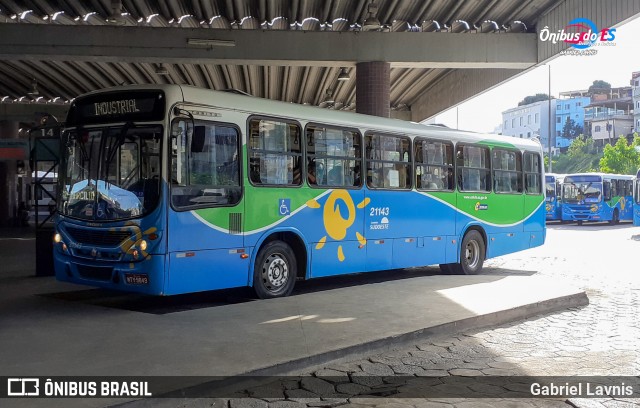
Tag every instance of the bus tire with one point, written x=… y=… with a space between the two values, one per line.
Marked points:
x=472 y=253
x=579 y=222
x=275 y=271
x=615 y=218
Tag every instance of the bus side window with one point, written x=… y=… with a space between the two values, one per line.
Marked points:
x=434 y=165
x=474 y=166
x=333 y=156
x=274 y=151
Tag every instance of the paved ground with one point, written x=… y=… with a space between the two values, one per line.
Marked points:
x=600 y=339
x=54 y=329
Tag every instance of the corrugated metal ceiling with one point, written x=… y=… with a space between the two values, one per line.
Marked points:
x=68 y=79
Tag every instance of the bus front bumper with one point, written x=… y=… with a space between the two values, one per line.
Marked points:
x=580 y=215
x=146 y=276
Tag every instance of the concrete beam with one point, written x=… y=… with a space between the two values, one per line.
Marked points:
x=456 y=87
x=31 y=112
x=268 y=47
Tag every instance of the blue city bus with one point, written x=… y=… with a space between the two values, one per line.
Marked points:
x=553 y=195
x=597 y=197
x=172 y=189
x=636 y=200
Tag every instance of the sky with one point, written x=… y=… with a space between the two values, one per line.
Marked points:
x=568 y=73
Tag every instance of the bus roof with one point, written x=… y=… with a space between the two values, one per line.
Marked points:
x=255 y=105
x=603 y=175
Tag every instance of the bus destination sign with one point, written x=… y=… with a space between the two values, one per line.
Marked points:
x=117 y=107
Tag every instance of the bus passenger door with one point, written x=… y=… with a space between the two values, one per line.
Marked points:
x=205 y=240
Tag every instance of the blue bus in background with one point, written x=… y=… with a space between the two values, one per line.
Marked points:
x=636 y=200
x=597 y=197
x=553 y=195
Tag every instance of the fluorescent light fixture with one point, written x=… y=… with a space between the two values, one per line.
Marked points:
x=162 y=70
x=344 y=75
x=209 y=42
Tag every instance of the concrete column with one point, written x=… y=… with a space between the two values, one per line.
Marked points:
x=372 y=88
x=8 y=171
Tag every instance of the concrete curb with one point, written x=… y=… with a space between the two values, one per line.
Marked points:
x=381 y=345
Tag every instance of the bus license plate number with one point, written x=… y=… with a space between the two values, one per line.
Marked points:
x=136 y=279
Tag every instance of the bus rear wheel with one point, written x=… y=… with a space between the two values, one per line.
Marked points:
x=275 y=271
x=472 y=255
x=615 y=218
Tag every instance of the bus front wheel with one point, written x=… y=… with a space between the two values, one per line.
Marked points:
x=275 y=271
x=472 y=255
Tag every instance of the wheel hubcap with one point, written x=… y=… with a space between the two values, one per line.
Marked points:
x=472 y=254
x=275 y=272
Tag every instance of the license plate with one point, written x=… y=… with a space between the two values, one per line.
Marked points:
x=136 y=279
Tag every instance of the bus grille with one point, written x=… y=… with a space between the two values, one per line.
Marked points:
x=235 y=223
x=95 y=272
x=103 y=238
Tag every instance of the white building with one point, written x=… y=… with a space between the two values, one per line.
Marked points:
x=531 y=120
x=610 y=115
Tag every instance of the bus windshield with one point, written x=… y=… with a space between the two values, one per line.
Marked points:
x=582 y=192
x=110 y=173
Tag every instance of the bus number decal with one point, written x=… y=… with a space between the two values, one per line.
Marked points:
x=377 y=211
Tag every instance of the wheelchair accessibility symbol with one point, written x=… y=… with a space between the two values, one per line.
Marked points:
x=284 y=206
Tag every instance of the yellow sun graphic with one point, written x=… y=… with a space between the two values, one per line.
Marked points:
x=335 y=224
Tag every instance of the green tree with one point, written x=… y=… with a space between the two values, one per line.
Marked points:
x=599 y=86
x=621 y=158
x=580 y=157
x=571 y=129
x=533 y=98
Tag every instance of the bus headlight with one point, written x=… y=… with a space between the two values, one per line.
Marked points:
x=143 y=245
x=57 y=238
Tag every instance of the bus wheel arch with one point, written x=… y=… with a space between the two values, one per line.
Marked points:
x=472 y=252
x=278 y=247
